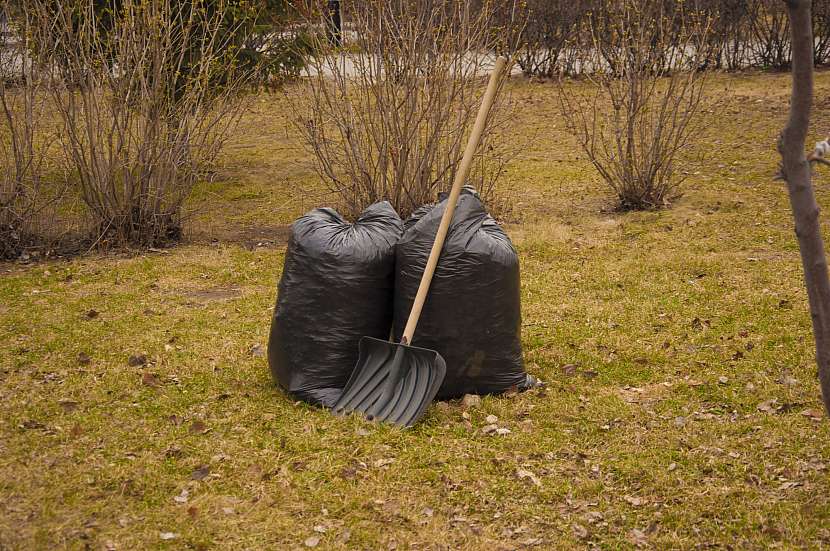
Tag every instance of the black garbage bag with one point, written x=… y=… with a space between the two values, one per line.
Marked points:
x=472 y=315
x=337 y=286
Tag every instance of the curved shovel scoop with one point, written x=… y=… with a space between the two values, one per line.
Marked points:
x=396 y=382
x=392 y=382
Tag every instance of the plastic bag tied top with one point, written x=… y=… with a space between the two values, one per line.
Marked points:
x=337 y=286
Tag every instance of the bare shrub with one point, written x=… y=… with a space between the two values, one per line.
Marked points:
x=145 y=105
x=729 y=34
x=638 y=115
x=769 y=42
x=25 y=192
x=821 y=32
x=551 y=37
x=386 y=117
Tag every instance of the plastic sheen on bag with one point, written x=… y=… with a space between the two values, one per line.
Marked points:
x=472 y=314
x=337 y=286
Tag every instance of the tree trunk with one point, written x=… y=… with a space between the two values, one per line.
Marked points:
x=796 y=171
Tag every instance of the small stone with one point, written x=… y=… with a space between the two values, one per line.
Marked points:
x=502 y=431
x=168 y=535
x=488 y=429
x=723 y=380
x=471 y=401
x=312 y=541
x=680 y=421
x=491 y=419
x=672 y=466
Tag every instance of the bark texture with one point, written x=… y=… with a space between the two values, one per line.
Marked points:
x=796 y=171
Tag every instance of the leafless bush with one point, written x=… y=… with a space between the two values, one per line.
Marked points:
x=386 y=117
x=639 y=114
x=25 y=194
x=769 y=42
x=821 y=32
x=145 y=106
x=551 y=42
x=729 y=34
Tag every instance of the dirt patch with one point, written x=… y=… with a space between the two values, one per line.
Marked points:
x=215 y=293
x=249 y=237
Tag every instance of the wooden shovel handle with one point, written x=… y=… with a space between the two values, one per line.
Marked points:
x=460 y=177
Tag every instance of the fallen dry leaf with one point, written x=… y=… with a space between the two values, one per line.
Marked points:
x=198 y=427
x=471 y=401
x=634 y=501
x=137 y=360
x=592 y=517
x=29 y=424
x=580 y=531
x=770 y=406
x=151 y=380
x=529 y=475
x=814 y=414
x=68 y=405
x=638 y=537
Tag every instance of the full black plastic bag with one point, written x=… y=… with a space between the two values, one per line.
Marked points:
x=472 y=315
x=337 y=286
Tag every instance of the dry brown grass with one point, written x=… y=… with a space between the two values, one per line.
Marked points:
x=660 y=335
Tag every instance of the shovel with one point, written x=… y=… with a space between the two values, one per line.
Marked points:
x=395 y=382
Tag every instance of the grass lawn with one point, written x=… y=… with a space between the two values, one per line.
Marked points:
x=681 y=409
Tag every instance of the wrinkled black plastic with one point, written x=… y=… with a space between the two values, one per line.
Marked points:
x=337 y=286
x=472 y=315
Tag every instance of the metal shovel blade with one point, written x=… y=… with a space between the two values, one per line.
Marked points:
x=392 y=382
